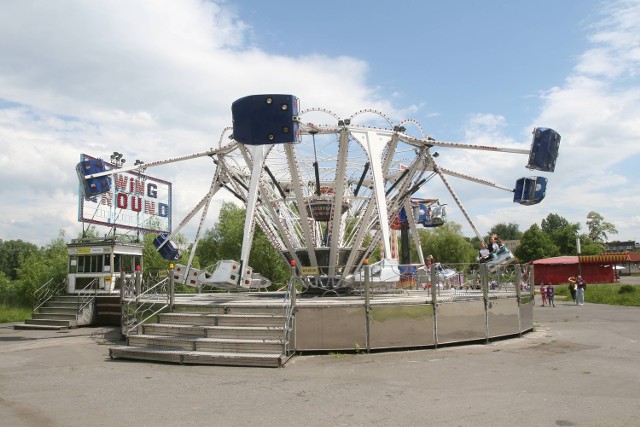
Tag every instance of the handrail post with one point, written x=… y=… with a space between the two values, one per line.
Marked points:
x=138 y=280
x=292 y=285
x=434 y=303
x=138 y=285
x=172 y=290
x=518 y=281
x=484 y=278
x=367 y=303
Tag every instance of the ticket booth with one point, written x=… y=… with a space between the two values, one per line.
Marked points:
x=97 y=264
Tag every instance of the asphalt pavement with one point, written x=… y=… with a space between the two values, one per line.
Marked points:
x=579 y=367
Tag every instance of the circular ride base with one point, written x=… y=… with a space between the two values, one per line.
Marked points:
x=404 y=319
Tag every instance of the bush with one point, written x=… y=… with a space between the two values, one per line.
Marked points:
x=626 y=289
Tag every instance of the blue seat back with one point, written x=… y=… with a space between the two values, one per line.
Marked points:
x=169 y=250
x=544 y=150
x=530 y=191
x=265 y=119
x=93 y=186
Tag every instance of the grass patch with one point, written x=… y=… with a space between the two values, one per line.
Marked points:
x=626 y=295
x=10 y=314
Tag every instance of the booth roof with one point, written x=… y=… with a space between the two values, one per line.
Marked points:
x=588 y=259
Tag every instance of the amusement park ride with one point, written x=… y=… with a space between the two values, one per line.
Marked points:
x=325 y=190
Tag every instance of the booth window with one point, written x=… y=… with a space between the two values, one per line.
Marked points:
x=90 y=263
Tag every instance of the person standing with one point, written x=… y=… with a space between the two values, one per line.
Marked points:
x=582 y=286
x=543 y=294
x=551 y=295
x=572 y=288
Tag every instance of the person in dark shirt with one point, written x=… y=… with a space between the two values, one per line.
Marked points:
x=550 y=295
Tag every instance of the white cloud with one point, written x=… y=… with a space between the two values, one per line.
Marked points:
x=151 y=79
x=156 y=79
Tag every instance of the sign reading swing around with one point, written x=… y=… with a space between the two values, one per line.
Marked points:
x=135 y=201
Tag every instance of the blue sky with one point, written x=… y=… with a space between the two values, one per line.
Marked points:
x=156 y=79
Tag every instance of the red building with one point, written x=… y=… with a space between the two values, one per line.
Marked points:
x=594 y=268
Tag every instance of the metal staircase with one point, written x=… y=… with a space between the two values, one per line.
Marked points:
x=238 y=335
x=61 y=312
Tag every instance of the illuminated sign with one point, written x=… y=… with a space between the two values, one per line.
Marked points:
x=136 y=201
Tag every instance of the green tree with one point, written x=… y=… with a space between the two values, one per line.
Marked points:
x=565 y=239
x=7 y=290
x=588 y=246
x=535 y=244
x=224 y=241
x=599 y=228
x=446 y=244
x=553 y=222
x=38 y=267
x=563 y=234
x=506 y=231
x=12 y=253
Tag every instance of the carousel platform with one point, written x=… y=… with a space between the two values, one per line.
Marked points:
x=266 y=328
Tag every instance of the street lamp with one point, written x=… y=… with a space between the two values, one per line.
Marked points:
x=117 y=159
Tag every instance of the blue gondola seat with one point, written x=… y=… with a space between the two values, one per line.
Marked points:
x=530 y=191
x=266 y=119
x=93 y=186
x=169 y=250
x=544 y=150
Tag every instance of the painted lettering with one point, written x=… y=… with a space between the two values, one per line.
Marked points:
x=163 y=210
x=152 y=190
x=149 y=207
x=121 y=201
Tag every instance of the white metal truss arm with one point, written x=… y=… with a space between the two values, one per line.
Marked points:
x=374 y=144
x=476 y=180
x=336 y=215
x=413 y=228
x=140 y=167
x=297 y=191
x=258 y=155
x=436 y=169
x=268 y=205
x=421 y=142
x=215 y=186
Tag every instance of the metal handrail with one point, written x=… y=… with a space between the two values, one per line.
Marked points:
x=138 y=309
x=83 y=300
x=45 y=292
x=289 y=304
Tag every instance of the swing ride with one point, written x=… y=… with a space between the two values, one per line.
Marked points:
x=326 y=190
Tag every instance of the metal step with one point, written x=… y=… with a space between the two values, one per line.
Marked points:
x=240 y=345
x=188 y=318
x=58 y=310
x=36 y=327
x=250 y=320
x=62 y=304
x=173 y=329
x=54 y=316
x=183 y=342
x=224 y=345
x=267 y=332
x=65 y=324
x=197 y=357
x=221 y=319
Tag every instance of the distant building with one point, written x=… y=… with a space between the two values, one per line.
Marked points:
x=629 y=245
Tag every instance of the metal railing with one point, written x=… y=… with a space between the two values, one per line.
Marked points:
x=441 y=283
x=289 y=312
x=87 y=295
x=139 y=306
x=47 y=291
